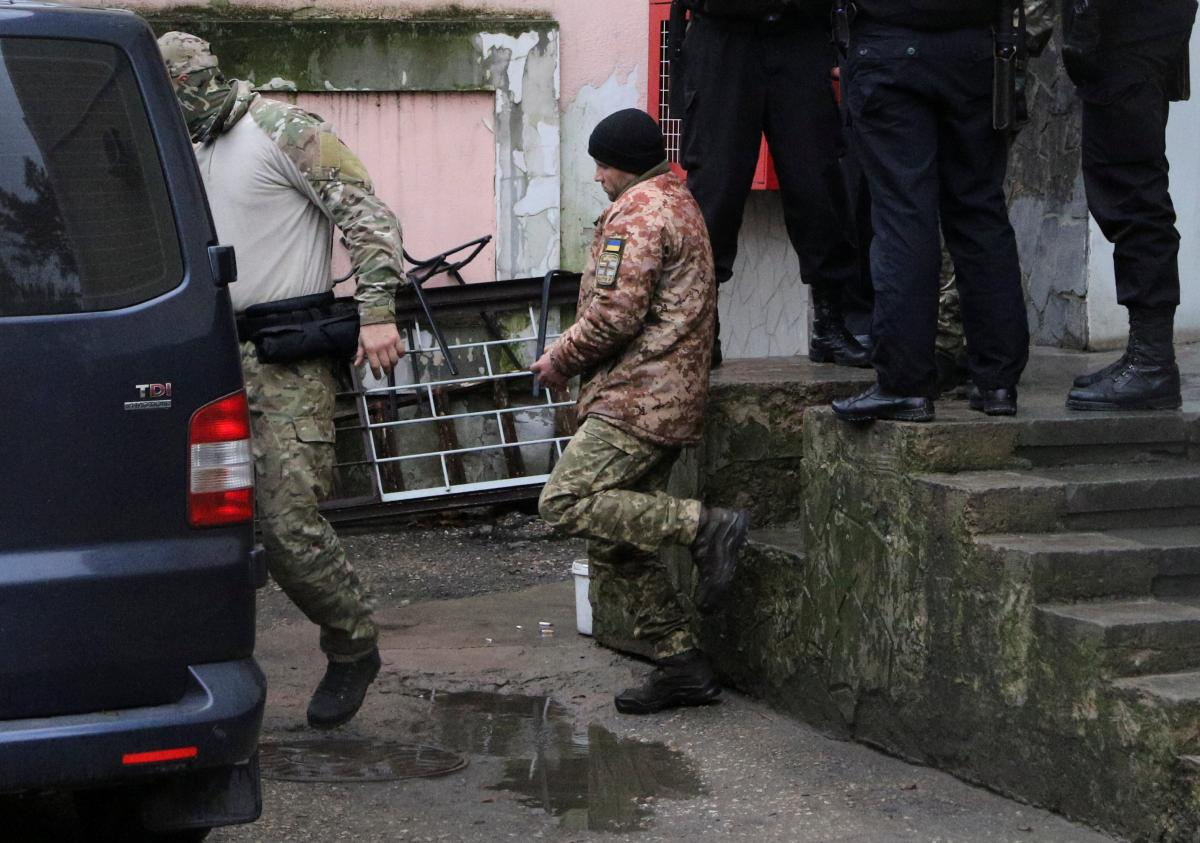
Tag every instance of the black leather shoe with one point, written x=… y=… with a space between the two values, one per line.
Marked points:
x=715 y=551
x=877 y=404
x=993 y=402
x=685 y=679
x=340 y=694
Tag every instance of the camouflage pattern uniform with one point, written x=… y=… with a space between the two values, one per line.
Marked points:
x=642 y=343
x=291 y=405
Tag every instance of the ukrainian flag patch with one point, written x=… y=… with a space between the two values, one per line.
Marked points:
x=609 y=262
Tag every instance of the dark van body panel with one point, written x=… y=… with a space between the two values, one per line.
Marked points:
x=123 y=627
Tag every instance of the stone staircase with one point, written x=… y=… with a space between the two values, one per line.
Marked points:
x=1014 y=600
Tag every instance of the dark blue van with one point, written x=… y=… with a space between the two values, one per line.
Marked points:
x=127 y=562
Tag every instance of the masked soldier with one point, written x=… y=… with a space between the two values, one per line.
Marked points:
x=751 y=68
x=1129 y=59
x=919 y=84
x=276 y=178
x=641 y=343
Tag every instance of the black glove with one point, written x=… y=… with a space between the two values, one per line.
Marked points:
x=1082 y=54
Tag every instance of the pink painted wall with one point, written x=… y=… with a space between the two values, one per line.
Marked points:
x=602 y=52
x=433 y=160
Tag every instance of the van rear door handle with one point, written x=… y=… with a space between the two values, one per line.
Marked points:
x=223 y=263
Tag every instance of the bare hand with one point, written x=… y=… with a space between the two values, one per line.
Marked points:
x=546 y=373
x=380 y=347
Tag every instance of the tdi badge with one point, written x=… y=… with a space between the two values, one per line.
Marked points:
x=609 y=262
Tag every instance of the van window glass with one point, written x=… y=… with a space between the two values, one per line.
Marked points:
x=85 y=221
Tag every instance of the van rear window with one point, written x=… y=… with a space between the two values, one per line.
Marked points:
x=85 y=221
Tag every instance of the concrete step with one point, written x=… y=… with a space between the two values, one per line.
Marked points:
x=1177 y=697
x=1074 y=497
x=1123 y=638
x=1089 y=565
x=1075 y=439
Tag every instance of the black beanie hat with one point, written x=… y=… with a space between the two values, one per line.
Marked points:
x=629 y=140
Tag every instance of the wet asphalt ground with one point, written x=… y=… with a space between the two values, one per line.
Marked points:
x=482 y=663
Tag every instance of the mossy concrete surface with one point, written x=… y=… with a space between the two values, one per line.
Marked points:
x=1038 y=662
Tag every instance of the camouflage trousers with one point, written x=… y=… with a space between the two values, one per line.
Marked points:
x=951 y=340
x=610 y=488
x=291 y=416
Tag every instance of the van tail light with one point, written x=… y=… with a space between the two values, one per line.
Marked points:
x=221 y=480
x=159 y=756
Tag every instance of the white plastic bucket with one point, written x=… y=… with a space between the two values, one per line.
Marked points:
x=583 y=606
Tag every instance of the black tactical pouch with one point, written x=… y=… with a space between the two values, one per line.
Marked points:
x=301 y=328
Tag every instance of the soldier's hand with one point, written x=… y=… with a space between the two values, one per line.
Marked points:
x=546 y=373
x=380 y=347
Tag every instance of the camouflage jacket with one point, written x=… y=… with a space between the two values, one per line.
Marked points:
x=323 y=176
x=647 y=302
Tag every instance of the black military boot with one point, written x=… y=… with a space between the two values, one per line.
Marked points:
x=685 y=679
x=831 y=341
x=1149 y=377
x=715 y=550
x=1097 y=376
x=340 y=694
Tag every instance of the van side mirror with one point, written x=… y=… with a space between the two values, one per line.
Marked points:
x=223 y=263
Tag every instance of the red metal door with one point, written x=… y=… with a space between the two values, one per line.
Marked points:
x=658 y=97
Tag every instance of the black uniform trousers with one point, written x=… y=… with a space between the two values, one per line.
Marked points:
x=1125 y=171
x=921 y=103
x=744 y=79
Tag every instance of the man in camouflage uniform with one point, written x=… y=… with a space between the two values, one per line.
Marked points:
x=277 y=177
x=641 y=344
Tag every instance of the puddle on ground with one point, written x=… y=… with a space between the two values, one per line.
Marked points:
x=351 y=760
x=588 y=777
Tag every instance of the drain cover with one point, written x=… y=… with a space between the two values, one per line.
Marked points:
x=318 y=760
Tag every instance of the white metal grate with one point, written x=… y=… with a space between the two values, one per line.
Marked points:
x=513 y=430
x=670 y=125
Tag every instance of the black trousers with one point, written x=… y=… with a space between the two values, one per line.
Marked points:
x=744 y=80
x=922 y=112
x=1125 y=171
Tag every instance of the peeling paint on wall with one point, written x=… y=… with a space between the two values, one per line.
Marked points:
x=528 y=173
x=582 y=198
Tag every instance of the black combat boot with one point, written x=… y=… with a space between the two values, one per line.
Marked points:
x=1148 y=379
x=341 y=692
x=715 y=550
x=831 y=341
x=1097 y=376
x=685 y=679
